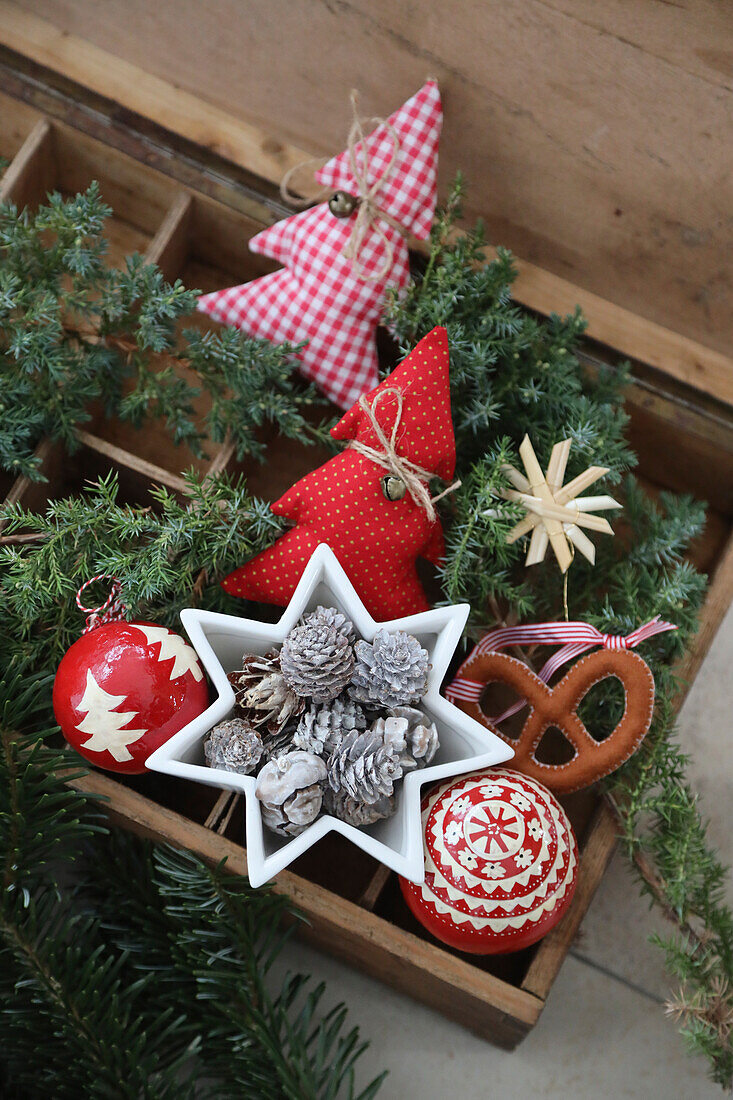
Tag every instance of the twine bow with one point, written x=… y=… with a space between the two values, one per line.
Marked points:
x=416 y=478
x=576 y=636
x=368 y=213
x=110 y=611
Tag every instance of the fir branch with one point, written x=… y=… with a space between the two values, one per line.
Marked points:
x=159 y=551
x=212 y=943
x=171 y=996
x=231 y=948
x=29 y=771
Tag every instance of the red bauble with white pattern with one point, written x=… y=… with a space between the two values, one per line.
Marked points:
x=123 y=689
x=501 y=863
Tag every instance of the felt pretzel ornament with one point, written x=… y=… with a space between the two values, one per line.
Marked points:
x=558 y=705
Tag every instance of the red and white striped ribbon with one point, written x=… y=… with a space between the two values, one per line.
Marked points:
x=575 y=637
x=110 y=611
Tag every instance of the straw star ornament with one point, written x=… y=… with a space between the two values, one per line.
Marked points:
x=555 y=512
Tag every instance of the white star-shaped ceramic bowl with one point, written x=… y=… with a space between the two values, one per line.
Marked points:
x=221 y=641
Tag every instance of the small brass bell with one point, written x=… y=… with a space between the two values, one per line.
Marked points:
x=342 y=204
x=393 y=487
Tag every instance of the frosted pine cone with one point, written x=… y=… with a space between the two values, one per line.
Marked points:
x=317 y=661
x=322 y=729
x=421 y=737
x=262 y=694
x=330 y=616
x=355 y=813
x=278 y=742
x=365 y=766
x=291 y=792
x=391 y=671
x=235 y=746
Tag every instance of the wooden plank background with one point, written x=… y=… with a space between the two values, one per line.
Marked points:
x=596 y=138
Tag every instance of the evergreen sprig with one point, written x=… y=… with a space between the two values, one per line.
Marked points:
x=75 y=331
x=166 y=554
x=158 y=986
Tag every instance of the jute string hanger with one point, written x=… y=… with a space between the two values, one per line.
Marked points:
x=415 y=477
x=369 y=213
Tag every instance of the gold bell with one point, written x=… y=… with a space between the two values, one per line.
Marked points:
x=342 y=204
x=393 y=487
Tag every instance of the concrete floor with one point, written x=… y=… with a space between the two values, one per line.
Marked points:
x=603 y=1033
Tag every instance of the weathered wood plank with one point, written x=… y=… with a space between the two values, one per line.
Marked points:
x=170 y=105
x=148 y=470
x=717 y=601
x=16 y=122
x=597 y=144
x=617 y=284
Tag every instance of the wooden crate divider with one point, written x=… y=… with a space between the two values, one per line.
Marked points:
x=30 y=174
x=169 y=247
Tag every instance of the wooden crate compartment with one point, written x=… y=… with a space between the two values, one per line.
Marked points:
x=353 y=905
x=150 y=217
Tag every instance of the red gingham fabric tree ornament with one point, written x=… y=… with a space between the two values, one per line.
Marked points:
x=344 y=503
x=323 y=296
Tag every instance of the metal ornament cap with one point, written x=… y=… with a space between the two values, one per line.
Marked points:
x=220 y=641
x=501 y=863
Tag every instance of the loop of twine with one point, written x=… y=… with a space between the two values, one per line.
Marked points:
x=369 y=213
x=415 y=477
x=110 y=611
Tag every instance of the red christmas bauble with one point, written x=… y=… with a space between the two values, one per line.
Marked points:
x=123 y=689
x=500 y=863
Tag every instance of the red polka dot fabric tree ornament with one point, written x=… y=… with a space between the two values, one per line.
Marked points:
x=340 y=256
x=124 y=688
x=374 y=511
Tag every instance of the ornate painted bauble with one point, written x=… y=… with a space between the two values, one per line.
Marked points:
x=123 y=689
x=500 y=863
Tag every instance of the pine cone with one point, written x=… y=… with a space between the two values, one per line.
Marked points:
x=365 y=766
x=234 y=745
x=331 y=616
x=262 y=694
x=291 y=792
x=322 y=729
x=317 y=661
x=345 y=808
x=391 y=671
x=421 y=738
x=278 y=742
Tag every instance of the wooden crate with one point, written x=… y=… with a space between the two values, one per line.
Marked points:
x=199 y=232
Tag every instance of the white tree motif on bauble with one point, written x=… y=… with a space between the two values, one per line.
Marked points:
x=104 y=723
x=173 y=646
